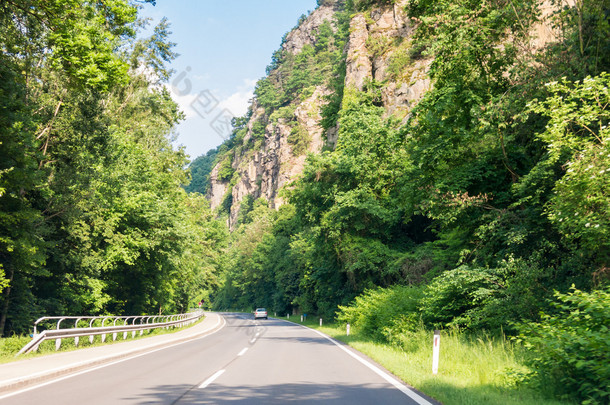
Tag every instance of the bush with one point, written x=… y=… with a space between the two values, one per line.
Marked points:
x=571 y=349
x=10 y=346
x=375 y=312
x=456 y=297
x=300 y=139
x=225 y=171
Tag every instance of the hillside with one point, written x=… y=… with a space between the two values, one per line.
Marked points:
x=420 y=142
x=327 y=51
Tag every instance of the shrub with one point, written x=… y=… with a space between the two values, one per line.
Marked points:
x=258 y=130
x=300 y=139
x=374 y=311
x=10 y=346
x=456 y=297
x=285 y=113
x=225 y=170
x=571 y=349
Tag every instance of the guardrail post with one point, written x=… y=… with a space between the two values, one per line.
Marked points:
x=76 y=339
x=133 y=332
x=124 y=324
x=114 y=334
x=58 y=341
x=90 y=325
x=103 y=334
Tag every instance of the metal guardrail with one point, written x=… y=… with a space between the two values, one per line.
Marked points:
x=129 y=324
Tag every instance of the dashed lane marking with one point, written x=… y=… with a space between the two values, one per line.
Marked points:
x=211 y=379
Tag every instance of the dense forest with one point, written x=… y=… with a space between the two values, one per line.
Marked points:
x=483 y=206
x=489 y=195
x=93 y=216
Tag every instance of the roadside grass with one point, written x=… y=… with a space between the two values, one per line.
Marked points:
x=472 y=371
x=10 y=346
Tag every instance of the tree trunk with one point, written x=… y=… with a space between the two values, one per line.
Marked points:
x=7 y=295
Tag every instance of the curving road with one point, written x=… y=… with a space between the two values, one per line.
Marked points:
x=251 y=362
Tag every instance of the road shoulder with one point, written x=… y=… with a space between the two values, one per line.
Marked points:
x=28 y=372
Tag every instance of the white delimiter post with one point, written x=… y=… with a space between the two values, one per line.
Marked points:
x=320 y=321
x=348 y=329
x=436 y=351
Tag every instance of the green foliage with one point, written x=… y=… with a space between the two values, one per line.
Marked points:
x=585 y=32
x=399 y=60
x=225 y=170
x=200 y=169
x=361 y=5
x=484 y=201
x=377 y=312
x=378 y=45
x=300 y=139
x=93 y=217
x=454 y=297
x=290 y=74
x=258 y=130
x=84 y=40
x=577 y=137
x=284 y=113
x=571 y=346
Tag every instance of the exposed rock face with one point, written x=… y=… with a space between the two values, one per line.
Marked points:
x=218 y=188
x=359 y=66
x=377 y=51
x=544 y=31
x=371 y=50
x=304 y=34
x=264 y=171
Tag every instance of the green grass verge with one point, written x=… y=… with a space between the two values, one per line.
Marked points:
x=10 y=346
x=472 y=371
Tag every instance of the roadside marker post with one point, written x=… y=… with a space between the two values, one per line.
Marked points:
x=436 y=351
x=301 y=318
x=320 y=321
x=348 y=329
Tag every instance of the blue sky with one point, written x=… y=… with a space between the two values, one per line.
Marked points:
x=224 y=47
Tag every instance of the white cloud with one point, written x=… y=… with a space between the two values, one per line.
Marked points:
x=250 y=83
x=238 y=102
x=185 y=102
x=198 y=105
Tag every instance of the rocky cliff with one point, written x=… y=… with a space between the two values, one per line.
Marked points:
x=274 y=144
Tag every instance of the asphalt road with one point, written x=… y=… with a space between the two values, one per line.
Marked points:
x=251 y=362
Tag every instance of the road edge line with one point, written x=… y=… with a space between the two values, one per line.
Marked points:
x=398 y=384
x=34 y=381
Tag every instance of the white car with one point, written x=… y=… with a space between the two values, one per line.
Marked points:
x=260 y=313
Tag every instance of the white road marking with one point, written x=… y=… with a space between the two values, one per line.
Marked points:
x=399 y=385
x=244 y=350
x=211 y=379
x=220 y=319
